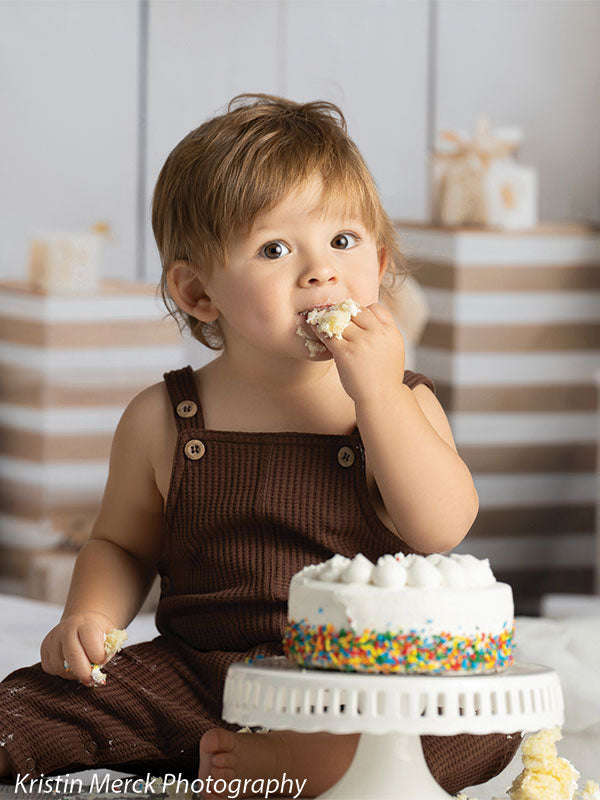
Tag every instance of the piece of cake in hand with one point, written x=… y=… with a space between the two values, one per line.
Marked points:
x=113 y=642
x=330 y=320
x=431 y=614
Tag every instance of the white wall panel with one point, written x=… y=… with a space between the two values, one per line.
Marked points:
x=370 y=58
x=68 y=92
x=201 y=54
x=536 y=65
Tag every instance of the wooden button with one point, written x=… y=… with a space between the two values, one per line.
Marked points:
x=30 y=763
x=194 y=449
x=345 y=456
x=91 y=747
x=187 y=408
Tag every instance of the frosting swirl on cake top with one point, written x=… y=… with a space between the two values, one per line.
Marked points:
x=436 y=571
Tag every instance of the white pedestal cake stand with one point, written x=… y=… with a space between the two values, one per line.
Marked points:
x=390 y=712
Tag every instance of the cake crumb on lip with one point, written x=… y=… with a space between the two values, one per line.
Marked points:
x=318 y=307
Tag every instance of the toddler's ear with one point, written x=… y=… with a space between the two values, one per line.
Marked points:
x=188 y=291
x=383 y=262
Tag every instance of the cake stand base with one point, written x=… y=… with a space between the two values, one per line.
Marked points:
x=388 y=767
x=391 y=713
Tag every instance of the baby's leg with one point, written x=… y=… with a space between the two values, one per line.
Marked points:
x=148 y=717
x=467 y=759
x=323 y=758
x=312 y=761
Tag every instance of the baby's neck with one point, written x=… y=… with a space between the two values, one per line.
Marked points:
x=234 y=401
x=281 y=381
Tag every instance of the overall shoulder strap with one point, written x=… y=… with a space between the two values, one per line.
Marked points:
x=412 y=379
x=181 y=386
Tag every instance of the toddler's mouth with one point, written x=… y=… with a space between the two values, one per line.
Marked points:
x=319 y=307
x=301 y=316
x=307 y=330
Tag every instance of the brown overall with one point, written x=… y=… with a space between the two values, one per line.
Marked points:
x=245 y=511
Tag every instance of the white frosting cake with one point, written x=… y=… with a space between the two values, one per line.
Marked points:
x=424 y=614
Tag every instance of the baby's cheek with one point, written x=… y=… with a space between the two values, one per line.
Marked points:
x=270 y=312
x=263 y=323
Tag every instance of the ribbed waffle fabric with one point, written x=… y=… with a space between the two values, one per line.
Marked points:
x=239 y=522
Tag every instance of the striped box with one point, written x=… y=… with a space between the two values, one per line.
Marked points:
x=68 y=367
x=513 y=342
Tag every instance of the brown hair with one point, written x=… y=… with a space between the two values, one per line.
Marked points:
x=236 y=166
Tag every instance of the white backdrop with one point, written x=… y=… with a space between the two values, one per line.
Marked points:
x=95 y=94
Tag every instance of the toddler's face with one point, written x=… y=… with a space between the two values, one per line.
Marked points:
x=291 y=261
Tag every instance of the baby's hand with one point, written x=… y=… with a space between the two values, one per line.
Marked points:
x=113 y=641
x=370 y=355
x=78 y=641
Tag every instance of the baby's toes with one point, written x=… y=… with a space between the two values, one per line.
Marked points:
x=217 y=740
x=224 y=761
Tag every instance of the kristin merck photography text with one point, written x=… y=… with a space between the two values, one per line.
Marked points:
x=169 y=783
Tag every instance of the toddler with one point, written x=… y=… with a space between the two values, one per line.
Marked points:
x=229 y=479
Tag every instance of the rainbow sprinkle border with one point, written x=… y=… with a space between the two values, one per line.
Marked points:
x=324 y=647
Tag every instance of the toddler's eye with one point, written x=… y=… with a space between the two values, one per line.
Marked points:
x=343 y=241
x=273 y=250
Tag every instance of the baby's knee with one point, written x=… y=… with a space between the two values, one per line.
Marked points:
x=468 y=759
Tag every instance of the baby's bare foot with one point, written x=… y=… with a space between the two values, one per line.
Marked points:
x=312 y=762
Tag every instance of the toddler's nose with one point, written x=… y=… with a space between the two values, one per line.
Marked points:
x=319 y=273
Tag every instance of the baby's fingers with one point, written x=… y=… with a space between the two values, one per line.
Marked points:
x=65 y=670
x=76 y=661
x=52 y=659
x=91 y=636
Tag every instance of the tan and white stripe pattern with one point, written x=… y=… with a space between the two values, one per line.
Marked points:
x=68 y=367
x=513 y=344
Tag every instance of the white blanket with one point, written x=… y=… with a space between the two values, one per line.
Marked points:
x=571 y=646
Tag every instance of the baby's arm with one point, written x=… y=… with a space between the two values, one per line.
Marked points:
x=426 y=487
x=115 y=568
